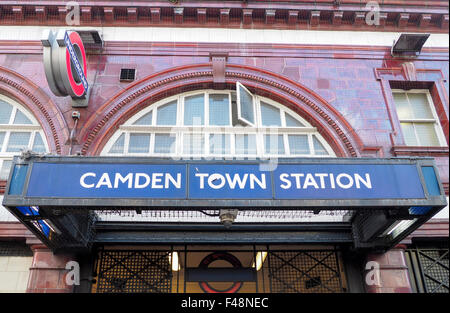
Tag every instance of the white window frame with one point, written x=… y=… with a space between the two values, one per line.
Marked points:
x=9 y=128
x=180 y=129
x=435 y=120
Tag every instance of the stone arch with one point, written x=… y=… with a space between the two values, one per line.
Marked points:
x=308 y=104
x=33 y=98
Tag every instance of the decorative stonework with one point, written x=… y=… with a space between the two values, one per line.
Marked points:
x=123 y=105
x=394 y=16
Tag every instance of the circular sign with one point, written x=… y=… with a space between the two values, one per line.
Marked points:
x=73 y=73
x=206 y=287
x=65 y=64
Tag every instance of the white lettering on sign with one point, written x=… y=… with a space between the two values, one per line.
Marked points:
x=232 y=181
x=218 y=181
x=324 y=180
x=130 y=180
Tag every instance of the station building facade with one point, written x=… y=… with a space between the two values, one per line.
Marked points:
x=167 y=81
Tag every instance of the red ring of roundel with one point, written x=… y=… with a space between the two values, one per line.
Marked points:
x=78 y=89
x=220 y=256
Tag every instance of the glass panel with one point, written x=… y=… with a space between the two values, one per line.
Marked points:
x=165 y=143
x=427 y=134
x=167 y=114
x=270 y=116
x=21 y=118
x=274 y=144
x=145 y=120
x=38 y=145
x=118 y=145
x=139 y=143
x=403 y=108
x=298 y=144
x=194 y=110
x=219 y=144
x=6 y=167
x=246 y=105
x=2 y=137
x=408 y=134
x=319 y=149
x=292 y=122
x=245 y=144
x=420 y=106
x=18 y=141
x=219 y=110
x=5 y=112
x=193 y=144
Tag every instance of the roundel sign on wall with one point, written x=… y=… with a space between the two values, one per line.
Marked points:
x=235 y=263
x=65 y=63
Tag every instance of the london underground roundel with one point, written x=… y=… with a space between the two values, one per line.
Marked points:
x=235 y=263
x=65 y=63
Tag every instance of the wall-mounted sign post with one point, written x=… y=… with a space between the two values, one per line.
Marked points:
x=65 y=65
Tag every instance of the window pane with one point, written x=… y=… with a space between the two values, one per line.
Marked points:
x=167 y=114
x=139 y=143
x=403 y=108
x=219 y=110
x=427 y=134
x=2 y=138
x=38 y=145
x=5 y=112
x=270 y=115
x=193 y=144
x=6 y=167
x=194 y=108
x=420 y=106
x=274 y=144
x=145 y=120
x=245 y=144
x=18 y=141
x=219 y=144
x=409 y=134
x=298 y=144
x=165 y=143
x=20 y=118
x=319 y=149
x=292 y=122
x=118 y=145
x=246 y=102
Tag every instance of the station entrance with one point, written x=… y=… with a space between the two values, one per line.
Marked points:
x=213 y=269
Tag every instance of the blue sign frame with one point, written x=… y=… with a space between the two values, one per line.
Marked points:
x=161 y=183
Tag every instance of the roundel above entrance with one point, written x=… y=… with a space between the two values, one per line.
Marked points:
x=65 y=63
x=234 y=261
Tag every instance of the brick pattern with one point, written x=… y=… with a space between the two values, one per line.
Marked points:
x=47 y=272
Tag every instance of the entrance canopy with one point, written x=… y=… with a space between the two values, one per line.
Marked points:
x=57 y=197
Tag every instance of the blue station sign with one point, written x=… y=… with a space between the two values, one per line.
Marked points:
x=239 y=181
x=303 y=182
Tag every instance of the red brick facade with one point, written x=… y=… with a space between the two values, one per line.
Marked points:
x=344 y=91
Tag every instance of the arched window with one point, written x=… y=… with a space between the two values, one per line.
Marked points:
x=224 y=125
x=19 y=131
x=217 y=124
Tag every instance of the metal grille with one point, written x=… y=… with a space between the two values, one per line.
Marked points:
x=429 y=269
x=305 y=272
x=212 y=215
x=134 y=272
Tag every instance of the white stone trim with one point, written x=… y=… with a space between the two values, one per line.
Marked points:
x=225 y=35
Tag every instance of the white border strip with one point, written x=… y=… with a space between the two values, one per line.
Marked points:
x=223 y=35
